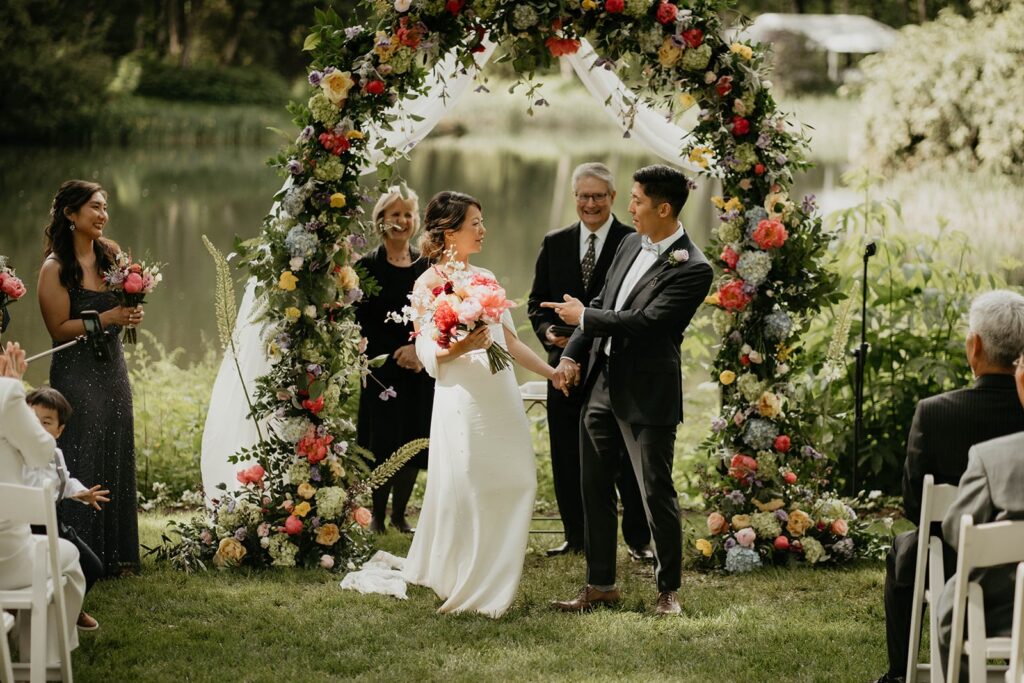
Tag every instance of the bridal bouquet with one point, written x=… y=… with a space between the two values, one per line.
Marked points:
x=463 y=301
x=131 y=281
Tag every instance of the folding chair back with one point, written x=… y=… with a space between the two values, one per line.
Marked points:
x=1016 y=672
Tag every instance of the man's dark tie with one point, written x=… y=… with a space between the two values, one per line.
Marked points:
x=589 y=260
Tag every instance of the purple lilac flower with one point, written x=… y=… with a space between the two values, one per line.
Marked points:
x=781 y=159
x=352 y=296
x=718 y=424
x=315 y=77
x=314 y=472
x=678 y=41
x=782 y=515
x=307 y=134
x=809 y=204
x=388 y=393
x=749 y=289
x=736 y=497
x=341 y=447
x=315 y=522
x=240 y=533
x=314 y=369
x=314 y=225
x=356 y=241
x=763 y=140
x=729 y=543
x=735 y=337
x=321 y=431
x=809 y=452
x=294 y=166
x=353 y=32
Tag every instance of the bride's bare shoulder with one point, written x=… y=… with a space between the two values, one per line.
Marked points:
x=429 y=279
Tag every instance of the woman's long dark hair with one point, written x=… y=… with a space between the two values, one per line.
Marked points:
x=60 y=242
x=445 y=213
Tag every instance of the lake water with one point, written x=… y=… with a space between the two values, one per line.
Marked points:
x=163 y=200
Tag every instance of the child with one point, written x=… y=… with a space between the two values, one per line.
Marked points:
x=53 y=411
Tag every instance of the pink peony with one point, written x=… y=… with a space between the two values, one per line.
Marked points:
x=840 y=527
x=770 y=234
x=732 y=297
x=133 y=283
x=11 y=286
x=742 y=466
x=746 y=537
x=292 y=525
x=362 y=517
x=251 y=475
x=469 y=311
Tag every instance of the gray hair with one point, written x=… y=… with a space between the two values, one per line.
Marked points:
x=394 y=193
x=998 y=318
x=593 y=169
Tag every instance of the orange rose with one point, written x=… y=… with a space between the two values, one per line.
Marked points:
x=328 y=534
x=799 y=522
x=362 y=517
x=717 y=524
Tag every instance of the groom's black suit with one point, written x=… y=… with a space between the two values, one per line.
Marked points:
x=558 y=272
x=635 y=399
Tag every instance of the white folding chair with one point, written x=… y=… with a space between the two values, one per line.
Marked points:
x=27 y=505
x=1016 y=672
x=935 y=500
x=5 y=649
x=985 y=545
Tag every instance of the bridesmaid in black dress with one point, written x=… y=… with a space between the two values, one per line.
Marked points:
x=387 y=425
x=99 y=441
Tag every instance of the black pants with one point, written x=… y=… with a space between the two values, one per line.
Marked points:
x=564 y=437
x=92 y=565
x=651 y=451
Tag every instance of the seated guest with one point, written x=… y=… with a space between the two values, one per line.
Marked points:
x=991 y=490
x=944 y=429
x=24 y=442
x=53 y=411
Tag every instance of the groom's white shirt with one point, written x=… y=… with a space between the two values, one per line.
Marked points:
x=641 y=264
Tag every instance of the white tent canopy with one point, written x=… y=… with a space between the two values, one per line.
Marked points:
x=841 y=33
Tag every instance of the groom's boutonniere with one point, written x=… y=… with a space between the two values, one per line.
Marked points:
x=678 y=257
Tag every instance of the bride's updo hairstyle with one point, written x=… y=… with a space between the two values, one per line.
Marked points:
x=445 y=213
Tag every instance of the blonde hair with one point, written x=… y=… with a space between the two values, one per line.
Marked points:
x=394 y=193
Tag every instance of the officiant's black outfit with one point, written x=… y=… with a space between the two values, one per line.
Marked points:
x=634 y=399
x=558 y=272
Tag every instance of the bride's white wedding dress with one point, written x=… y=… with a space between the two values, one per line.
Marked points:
x=471 y=538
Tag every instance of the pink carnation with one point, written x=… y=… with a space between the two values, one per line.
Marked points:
x=770 y=234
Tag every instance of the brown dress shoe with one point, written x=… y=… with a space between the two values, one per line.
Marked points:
x=588 y=598
x=668 y=603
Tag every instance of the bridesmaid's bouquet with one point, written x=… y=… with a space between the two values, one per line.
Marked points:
x=11 y=289
x=463 y=301
x=131 y=281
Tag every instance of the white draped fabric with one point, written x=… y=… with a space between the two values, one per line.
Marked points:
x=228 y=427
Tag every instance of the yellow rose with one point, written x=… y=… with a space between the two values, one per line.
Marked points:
x=711 y=299
x=338 y=200
x=347 y=278
x=733 y=204
x=727 y=377
x=588 y=5
x=686 y=100
x=698 y=155
x=302 y=509
x=704 y=546
x=744 y=51
x=769 y=405
x=307 y=490
x=336 y=86
x=292 y=313
x=328 y=534
x=354 y=135
x=287 y=281
x=669 y=53
x=799 y=522
x=740 y=522
x=771 y=506
x=229 y=553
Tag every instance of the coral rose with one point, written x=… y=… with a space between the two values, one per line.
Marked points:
x=742 y=466
x=770 y=234
x=229 y=553
x=293 y=525
x=840 y=527
x=740 y=126
x=12 y=286
x=133 y=284
x=717 y=524
x=799 y=522
x=328 y=534
x=731 y=296
x=666 y=13
x=362 y=517
x=729 y=257
x=250 y=475
x=781 y=543
x=693 y=37
x=789 y=478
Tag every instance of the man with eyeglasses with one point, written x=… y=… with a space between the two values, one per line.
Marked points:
x=574 y=261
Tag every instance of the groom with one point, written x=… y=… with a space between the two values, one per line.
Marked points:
x=632 y=331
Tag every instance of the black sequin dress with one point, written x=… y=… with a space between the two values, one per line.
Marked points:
x=99 y=439
x=386 y=426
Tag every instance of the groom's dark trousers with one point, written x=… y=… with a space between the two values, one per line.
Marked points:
x=634 y=399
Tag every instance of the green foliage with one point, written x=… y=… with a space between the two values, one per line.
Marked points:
x=950 y=91
x=920 y=287
x=215 y=84
x=171 y=401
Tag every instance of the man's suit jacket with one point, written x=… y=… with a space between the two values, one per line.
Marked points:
x=991 y=490
x=558 y=272
x=644 y=375
x=944 y=429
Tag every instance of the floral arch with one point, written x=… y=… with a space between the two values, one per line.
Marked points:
x=298 y=503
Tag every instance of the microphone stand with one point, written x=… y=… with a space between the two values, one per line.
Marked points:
x=861 y=354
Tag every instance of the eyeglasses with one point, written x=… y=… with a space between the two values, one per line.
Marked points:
x=595 y=197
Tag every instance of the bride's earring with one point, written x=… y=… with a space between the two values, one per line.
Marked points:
x=72 y=227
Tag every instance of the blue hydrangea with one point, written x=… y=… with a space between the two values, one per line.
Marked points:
x=739 y=559
x=777 y=325
x=760 y=434
x=754 y=266
x=300 y=243
x=754 y=216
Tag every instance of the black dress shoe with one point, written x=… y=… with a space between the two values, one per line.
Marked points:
x=563 y=549
x=377 y=525
x=644 y=554
x=890 y=678
x=401 y=525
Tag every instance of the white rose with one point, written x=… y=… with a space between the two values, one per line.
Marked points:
x=310 y=311
x=296 y=263
x=402 y=5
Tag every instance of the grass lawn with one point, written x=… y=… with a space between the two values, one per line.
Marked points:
x=773 y=625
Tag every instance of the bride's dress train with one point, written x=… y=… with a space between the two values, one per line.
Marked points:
x=471 y=538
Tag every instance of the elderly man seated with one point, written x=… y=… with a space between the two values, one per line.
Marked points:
x=944 y=429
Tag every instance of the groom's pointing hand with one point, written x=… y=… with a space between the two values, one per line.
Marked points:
x=570 y=310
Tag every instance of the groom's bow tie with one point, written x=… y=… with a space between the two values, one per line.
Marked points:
x=647 y=245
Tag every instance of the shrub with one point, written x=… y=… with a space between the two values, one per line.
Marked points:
x=950 y=90
x=216 y=84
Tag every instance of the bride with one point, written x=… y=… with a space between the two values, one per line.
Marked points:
x=471 y=538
